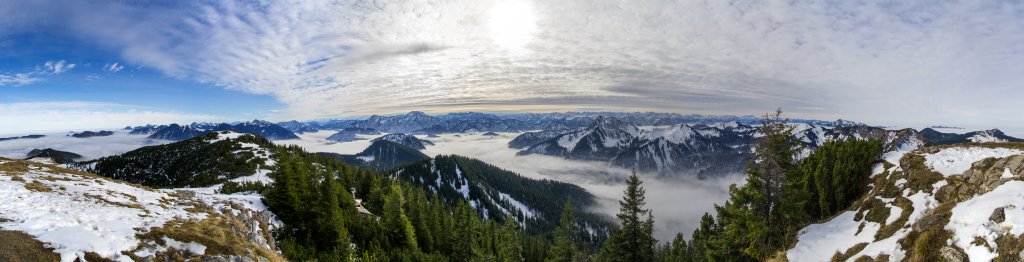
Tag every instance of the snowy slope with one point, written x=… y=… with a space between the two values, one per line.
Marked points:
x=76 y=212
x=947 y=194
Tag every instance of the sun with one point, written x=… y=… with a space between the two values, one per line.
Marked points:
x=512 y=23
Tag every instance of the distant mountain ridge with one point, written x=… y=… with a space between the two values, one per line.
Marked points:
x=711 y=150
x=176 y=132
x=381 y=155
x=406 y=140
x=416 y=122
x=59 y=157
x=88 y=134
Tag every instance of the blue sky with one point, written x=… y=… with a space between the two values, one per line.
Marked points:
x=904 y=63
x=99 y=75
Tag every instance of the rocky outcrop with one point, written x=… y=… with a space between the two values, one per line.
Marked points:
x=951 y=254
x=983 y=176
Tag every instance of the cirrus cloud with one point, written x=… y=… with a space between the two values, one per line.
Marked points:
x=884 y=62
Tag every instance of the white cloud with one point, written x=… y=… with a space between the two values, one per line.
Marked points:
x=113 y=68
x=54 y=67
x=23 y=118
x=892 y=63
x=47 y=68
x=17 y=79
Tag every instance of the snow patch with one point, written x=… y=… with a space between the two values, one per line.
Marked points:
x=970 y=219
x=527 y=212
x=818 y=242
x=956 y=160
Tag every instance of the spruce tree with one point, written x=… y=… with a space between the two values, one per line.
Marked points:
x=397 y=224
x=511 y=247
x=564 y=249
x=634 y=240
x=773 y=157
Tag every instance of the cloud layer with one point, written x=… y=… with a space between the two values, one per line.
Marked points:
x=23 y=118
x=908 y=61
x=677 y=203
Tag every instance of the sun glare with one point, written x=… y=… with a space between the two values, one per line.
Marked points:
x=512 y=24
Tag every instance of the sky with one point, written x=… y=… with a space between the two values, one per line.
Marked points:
x=73 y=65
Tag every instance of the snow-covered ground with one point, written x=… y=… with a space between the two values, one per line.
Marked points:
x=956 y=160
x=75 y=213
x=969 y=219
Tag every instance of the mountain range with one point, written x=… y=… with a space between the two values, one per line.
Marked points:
x=176 y=132
x=381 y=155
x=416 y=122
x=88 y=134
x=716 y=149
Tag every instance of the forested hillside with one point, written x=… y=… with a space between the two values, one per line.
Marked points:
x=782 y=195
x=212 y=158
x=381 y=155
x=311 y=195
x=502 y=195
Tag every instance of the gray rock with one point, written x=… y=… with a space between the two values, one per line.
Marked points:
x=952 y=254
x=927 y=221
x=998 y=215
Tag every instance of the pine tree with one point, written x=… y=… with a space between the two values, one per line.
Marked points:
x=564 y=249
x=396 y=222
x=774 y=155
x=634 y=240
x=511 y=247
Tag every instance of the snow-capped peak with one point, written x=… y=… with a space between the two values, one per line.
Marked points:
x=676 y=134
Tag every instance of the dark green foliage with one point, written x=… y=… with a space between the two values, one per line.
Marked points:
x=445 y=175
x=781 y=196
x=409 y=223
x=382 y=155
x=564 y=249
x=831 y=178
x=634 y=240
x=309 y=200
x=194 y=162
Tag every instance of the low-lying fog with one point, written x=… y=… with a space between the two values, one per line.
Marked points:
x=317 y=142
x=677 y=203
x=90 y=148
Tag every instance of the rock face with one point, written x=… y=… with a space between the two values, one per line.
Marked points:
x=983 y=176
x=951 y=254
x=998 y=215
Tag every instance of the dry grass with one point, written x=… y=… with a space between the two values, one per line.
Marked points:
x=14 y=166
x=217 y=233
x=1009 y=247
x=105 y=201
x=879 y=258
x=849 y=252
x=37 y=186
x=888 y=230
x=16 y=246
x=924 y=243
